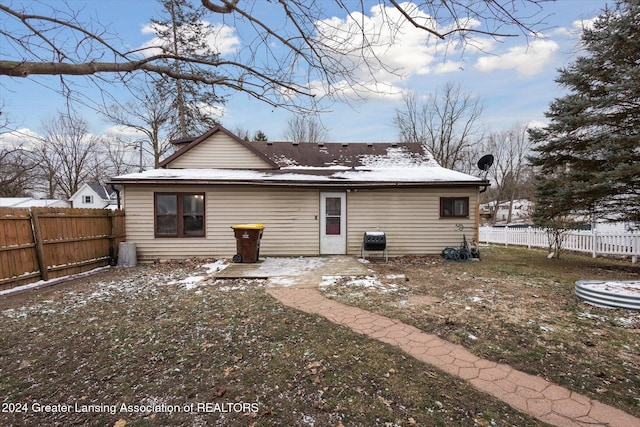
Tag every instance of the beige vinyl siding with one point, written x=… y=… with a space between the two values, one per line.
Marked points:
x=290 y=218
x=410 y=219
x=219 y=151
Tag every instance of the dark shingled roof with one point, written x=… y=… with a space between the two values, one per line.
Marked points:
x=283 y=155
x=322 y=155
x=102 y=191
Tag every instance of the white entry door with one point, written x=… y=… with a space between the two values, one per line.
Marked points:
x=333 y=223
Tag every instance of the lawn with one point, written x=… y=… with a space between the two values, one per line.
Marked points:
x=517 y=307
x=166 y=344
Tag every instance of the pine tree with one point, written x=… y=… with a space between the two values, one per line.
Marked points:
x=260 y=136
x=184 y=33
x=588 y=156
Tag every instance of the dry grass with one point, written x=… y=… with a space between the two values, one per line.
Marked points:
x=127 y=336
x=518 y=307
x=146 y=336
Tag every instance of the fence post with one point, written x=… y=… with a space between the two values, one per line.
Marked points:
x=529 y=229
x=635 y=248
x=37 y=239
x=506 y=235
x=594 y=243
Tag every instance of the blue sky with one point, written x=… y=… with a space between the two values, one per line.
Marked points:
x=513 y=77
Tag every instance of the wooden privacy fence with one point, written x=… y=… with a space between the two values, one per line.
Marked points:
x=623 y=244
x=47 y=243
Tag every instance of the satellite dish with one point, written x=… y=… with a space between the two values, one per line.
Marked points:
x=485 y=162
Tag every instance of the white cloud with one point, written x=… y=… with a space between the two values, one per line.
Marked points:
x=536 y=124
x=385 y=35
x=577 y=27
x=24 y=137
x=448 y=67
x=124 y=132
x=526 y=60
x=584 y=24
x=222 y=39
x=211 y=110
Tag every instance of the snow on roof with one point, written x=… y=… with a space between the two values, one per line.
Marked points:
x=211 y=175
x=398 y=157
x=382 y=163
x=335 y=154
x=410 y=174
x=414 y=174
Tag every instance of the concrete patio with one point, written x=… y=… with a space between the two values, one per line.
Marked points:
x=305 y=272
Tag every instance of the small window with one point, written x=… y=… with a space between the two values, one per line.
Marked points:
x=179 y=215
x=454 y=207
x=333 y=216
x=87 y=200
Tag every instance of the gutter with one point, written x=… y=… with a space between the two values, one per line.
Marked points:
x=306 y=184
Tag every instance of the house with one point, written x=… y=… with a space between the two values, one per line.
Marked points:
x=31 y=202
x=521 y=211
x=94 y=196
x=313 y=198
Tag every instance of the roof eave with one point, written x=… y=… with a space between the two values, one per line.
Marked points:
x=305 y=183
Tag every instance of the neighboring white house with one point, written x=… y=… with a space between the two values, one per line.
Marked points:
x=31 y=202
x=521 y=211
x=94 y=196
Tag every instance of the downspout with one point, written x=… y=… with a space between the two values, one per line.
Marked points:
x=477 y=233
x=113 y=187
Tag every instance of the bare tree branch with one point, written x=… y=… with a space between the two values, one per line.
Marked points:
x=447 y=124
x=311 y=48
x=227 y=7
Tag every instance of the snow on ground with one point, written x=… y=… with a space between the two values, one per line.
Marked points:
x=189 y=282
x=215 y=267
x=371 y=282
x=276 y=267
x=45 y=283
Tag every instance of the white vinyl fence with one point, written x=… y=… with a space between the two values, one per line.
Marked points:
x=625 y=244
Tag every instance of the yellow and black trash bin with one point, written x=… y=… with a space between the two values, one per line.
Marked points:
x=247 y=242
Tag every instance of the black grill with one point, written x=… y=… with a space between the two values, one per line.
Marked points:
x=374 y=241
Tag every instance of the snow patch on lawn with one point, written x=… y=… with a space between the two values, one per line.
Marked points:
x=189 y=282
x=369 y=282
x=216 y=267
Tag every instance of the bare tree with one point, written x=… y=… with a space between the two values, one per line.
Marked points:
x=446 y=123
x=16 y=172
x=63 y=41
x=149 y=116
x=510 y=172
x=16 y=167
x=115 y=157
x=305 y=128
x=66 y=158
x=242 y=133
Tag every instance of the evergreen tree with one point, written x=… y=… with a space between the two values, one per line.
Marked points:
x=184 y=33
x=260 y=136
x=588 y=156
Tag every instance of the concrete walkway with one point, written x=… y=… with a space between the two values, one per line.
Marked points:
x=528 y=393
